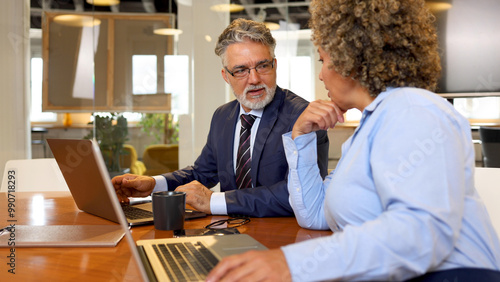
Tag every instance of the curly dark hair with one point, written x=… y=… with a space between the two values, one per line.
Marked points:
x=380 y=43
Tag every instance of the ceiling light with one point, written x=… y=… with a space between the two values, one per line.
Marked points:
x=167 y=27
x=231 y=8
x=188 y=3
x=103 y=2
x=76 y=20
x=167 y=31
x=272 y=26
x=438 y=6
x=164 y=28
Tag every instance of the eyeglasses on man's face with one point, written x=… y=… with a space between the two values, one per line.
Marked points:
x=262 y=68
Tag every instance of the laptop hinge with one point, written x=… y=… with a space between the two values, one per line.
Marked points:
x=147 y=264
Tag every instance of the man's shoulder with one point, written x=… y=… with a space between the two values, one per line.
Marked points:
x=229 y=106
x=291 y=101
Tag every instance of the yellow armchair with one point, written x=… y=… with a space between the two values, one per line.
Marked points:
x=161 y=158
x=129 y=160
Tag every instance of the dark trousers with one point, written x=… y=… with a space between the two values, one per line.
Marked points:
x=459 y=275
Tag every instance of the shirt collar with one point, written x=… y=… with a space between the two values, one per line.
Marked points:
x=380 y=97
x=257 y=113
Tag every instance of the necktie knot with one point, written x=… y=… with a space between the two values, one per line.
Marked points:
x=247 y=121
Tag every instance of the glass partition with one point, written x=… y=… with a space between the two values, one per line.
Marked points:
x=112 y=63
x=167 y=87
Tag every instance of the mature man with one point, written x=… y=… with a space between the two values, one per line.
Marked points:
x=252 y=172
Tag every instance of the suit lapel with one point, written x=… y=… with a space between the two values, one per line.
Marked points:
x=228 y=148
x=269 y=118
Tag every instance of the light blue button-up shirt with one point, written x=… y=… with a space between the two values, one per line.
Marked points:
x=402 y=200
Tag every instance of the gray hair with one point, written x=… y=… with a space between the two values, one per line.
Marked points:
x=239 y=31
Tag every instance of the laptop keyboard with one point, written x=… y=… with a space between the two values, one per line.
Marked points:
x=185 y=261
x=136 y=213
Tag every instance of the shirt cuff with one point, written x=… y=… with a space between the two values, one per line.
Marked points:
x=300 y=148
x=218 y=203
x=161 y=183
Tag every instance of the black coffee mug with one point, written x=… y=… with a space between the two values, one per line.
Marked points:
x=169 y=210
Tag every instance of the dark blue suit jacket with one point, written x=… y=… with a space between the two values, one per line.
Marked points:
x=269 y=195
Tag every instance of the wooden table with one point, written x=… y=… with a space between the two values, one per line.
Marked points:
x=107 y=263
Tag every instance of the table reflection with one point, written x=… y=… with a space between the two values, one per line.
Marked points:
x=38 y=210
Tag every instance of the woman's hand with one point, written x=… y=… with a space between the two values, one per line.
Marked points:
x=252 y=266
x=319 y=115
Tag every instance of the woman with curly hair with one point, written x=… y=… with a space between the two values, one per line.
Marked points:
x=401 y=202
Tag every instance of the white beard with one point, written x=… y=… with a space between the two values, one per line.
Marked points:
x=242 y=98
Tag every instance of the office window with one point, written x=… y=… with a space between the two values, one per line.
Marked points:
x=177 y=82
x=486 y=108
x=144 y=74
x=36 y=114
x=353 y=115
x=175 y=78
x=295 y=73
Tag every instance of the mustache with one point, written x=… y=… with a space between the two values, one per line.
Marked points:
x=253 y=87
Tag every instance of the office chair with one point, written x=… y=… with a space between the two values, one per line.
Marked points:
x=32 y=175
x=129 y=160
x=490 y=144
x=161 y=158
x=40 y=131
x=486 y=180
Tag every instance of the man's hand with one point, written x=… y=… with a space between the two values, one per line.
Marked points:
x=197 y=195
x=131 y=185
x=252 y=266
x=319 y=115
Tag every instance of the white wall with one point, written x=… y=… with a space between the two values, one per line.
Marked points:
x=14 y=81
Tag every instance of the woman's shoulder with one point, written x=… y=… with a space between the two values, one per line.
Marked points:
x=413 y=96
x=420 y=102
x=407 y=98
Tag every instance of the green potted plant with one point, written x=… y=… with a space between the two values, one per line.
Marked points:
x=111 y=132
x=163 y=127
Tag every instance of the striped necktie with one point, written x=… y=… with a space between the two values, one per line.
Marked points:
x=244 y=160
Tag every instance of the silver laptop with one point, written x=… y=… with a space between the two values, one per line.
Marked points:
x=77 y=161
x=169 y=259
